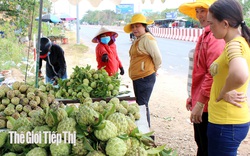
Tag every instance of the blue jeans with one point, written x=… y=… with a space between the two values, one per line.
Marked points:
x=143 y=88
x=224 y=140
x=48 y=80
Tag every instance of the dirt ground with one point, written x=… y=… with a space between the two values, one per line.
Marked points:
x=169 y=117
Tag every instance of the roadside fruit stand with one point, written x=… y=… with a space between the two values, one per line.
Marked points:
x=83 y=115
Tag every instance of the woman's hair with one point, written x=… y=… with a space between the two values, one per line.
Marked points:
x=146 y=28
x=230 y=10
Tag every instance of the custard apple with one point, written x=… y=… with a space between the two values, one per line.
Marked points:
x=37 y=151
x=62 y=149
x=120 y=121
x=116 y=147
x=86 y=115
x=109 y=131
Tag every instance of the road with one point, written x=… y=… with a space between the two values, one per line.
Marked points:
x=174 y=52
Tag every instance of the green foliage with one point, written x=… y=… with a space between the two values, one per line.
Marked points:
x=20 y=13
x=104 y=17
x=11 y=51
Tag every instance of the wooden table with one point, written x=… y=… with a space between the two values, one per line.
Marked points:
x=59 y=37
x=126 y=98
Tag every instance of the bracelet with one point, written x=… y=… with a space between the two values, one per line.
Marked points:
x=200 y=104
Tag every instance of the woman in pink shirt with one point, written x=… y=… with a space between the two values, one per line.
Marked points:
x=206 y=51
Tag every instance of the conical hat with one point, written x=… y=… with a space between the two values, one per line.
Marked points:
x=102 y=31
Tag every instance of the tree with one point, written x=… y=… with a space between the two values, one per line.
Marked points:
x=20 y=13
x=104 y=17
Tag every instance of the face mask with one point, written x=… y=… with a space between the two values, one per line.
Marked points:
x=105 y=40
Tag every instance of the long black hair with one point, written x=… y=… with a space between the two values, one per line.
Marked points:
x=146 y=28
x=230 y=10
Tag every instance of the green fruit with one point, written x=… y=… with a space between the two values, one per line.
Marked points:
x=10 y=154
x=86 y=115
x=61 y=114
x=93 y=84
x=38 y=118
x=9 y=111
x=41 y=83
x=16 y=85
x=10 y=94
x=109 y=131
x=115 y=92
x=78 y=149
x=137 y=151
x=43 y=128
x=5 y=101
x=131 y=125
x=16 y=115
x=110 y=87
x=50 y=119
x=5 y=88
x=85 y=81
x=31 y=96
x=42 y=88
x=62 y=149
x=17 y=93
x=24 y=101
x=2 y=93
x=114 y=100
x=95 y=76
x=67 y=124
x=21 y=121
x=95 y=153
x=2 y=123
x=120 y=121
x=124 y=103
x=19 y=107
x=37 y=151
x=23 y=88
x=116 y=147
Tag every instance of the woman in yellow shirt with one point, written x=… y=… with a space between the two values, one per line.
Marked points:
x=228 y=112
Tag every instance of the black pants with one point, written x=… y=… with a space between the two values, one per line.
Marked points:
x=142 y=89
x=200 y=135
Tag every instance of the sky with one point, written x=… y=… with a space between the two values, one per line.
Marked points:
x=63 y=6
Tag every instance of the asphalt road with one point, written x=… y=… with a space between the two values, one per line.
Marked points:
x=174 y=52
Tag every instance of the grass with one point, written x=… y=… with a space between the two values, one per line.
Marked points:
x=74 y=53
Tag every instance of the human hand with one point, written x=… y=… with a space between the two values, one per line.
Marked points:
x=105 y=58
x=196 y=115
x=233 y=97
x=189 y=104
x=40 y=75
x=121 y=71
x=55 y=79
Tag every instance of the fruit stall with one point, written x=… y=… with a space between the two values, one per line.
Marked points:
x=85 y=115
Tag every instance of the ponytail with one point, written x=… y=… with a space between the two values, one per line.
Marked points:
x=245 y=32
